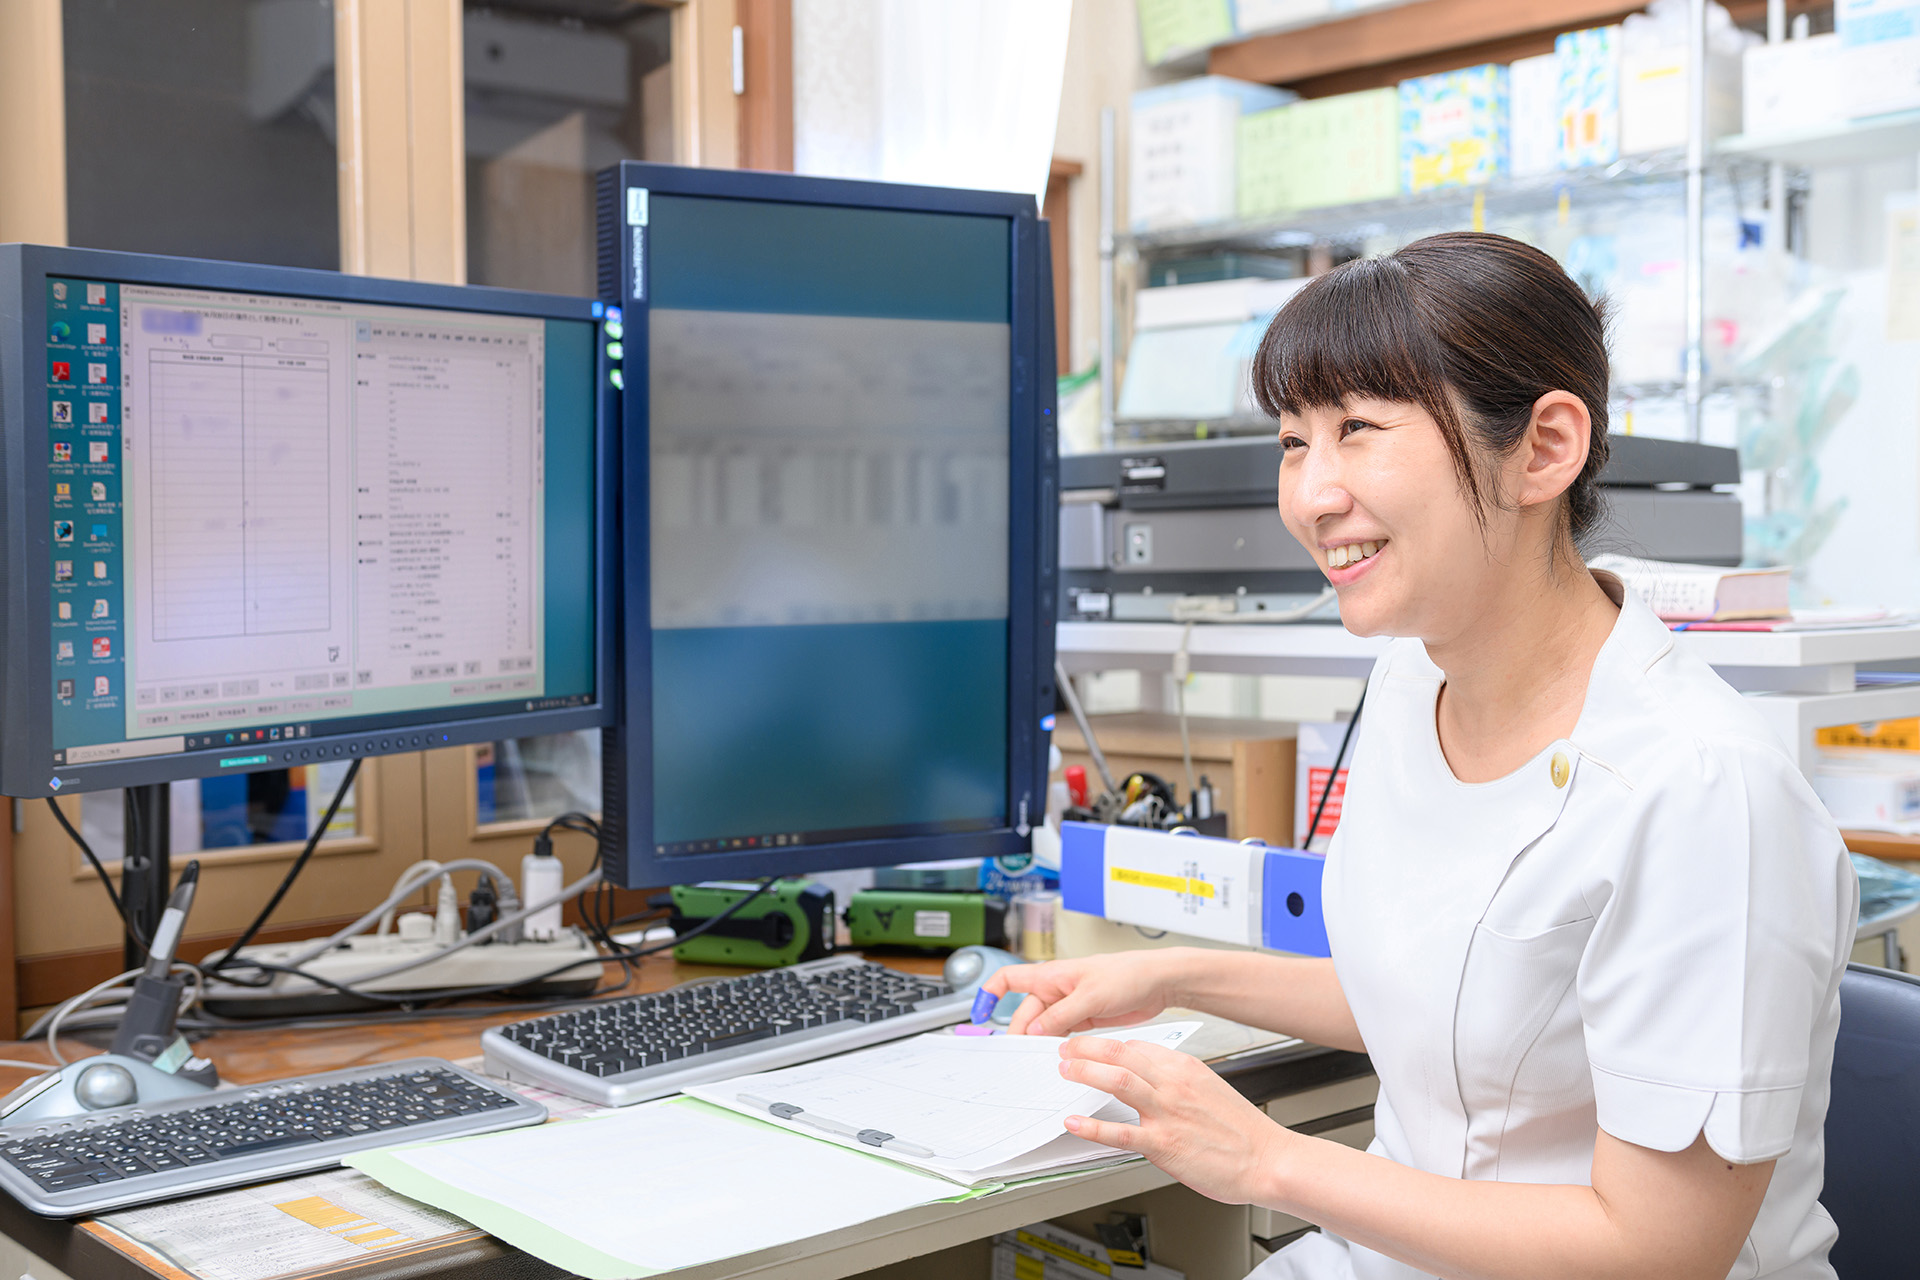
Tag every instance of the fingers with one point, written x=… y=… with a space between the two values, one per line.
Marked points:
x=1143 y=1060
x=1108 y=1133
x=1021 y=1024
x=1117 y=1082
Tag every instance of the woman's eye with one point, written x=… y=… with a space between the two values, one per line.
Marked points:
x=1289 y=443
x=1352 y=425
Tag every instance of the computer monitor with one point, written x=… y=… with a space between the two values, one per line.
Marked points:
x=257 y=517
x=838 y=519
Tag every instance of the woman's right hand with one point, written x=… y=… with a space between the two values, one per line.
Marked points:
x=1063 y=996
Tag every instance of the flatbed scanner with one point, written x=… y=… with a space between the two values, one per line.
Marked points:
x=1144 y=528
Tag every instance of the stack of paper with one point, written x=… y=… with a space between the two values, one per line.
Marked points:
x=663 y=1185
x=1702 y=592
x=988 y=1110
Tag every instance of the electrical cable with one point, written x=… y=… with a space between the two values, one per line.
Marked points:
x=293 y=872
x=54 y=1021
x=106 y=881
x=1064 y=683
x=1333 y=774
x=1200 y=609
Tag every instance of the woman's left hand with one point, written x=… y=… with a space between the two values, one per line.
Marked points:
x=1192 y=1123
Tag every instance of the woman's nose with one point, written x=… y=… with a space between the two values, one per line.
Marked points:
x=1318 y=490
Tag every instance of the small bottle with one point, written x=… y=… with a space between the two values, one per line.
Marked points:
x=540 y=879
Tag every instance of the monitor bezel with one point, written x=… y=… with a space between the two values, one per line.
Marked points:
x=629 y=848
x=26 y=751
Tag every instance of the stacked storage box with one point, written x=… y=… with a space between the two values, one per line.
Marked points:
x=1533 y=116
x=1453 y=128
x=1183 y=149
x=1880 y=47
x=1589 y=96
x=1339 y=150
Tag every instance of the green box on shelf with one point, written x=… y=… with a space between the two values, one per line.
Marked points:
x=1324 y=151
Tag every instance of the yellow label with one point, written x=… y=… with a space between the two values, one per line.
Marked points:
x=1480 y=210
x=1028 y=1267
x=318 y=1211
x=1888 y=735
x=1062 y=1252
x=1154 y=880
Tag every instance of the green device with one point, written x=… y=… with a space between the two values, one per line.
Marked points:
x=791 y=922
x=924 y=920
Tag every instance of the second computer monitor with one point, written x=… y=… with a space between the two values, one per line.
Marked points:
x=839 y=441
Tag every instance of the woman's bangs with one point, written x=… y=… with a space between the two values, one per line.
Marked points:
x=1349 y=334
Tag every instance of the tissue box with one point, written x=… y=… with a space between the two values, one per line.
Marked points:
x=1533 y=115
x=1453 y=128
x=1883 y=735
x=1589 y=96
x=1655 y=101
x=1339 y=150
x=1182 y=144
x=1880 y=54
x=1792 y=87
x=1866 y=788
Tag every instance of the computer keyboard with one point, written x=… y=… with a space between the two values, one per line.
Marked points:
x=140 y=1153
x=627 y=1051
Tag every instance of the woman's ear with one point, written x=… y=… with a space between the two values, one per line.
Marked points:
x=1553 y=451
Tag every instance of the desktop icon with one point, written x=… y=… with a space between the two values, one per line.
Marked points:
x=101 y=688
x=65 y=610
x=99 y=568
x=96 y=451
x=61 y=331
x=66 y=688
x=99 y=490
x=96 y=295
x=97 y=534
x=62 y=452
x=102 y=647
x=274 y=734
x=63 y=411
x=63 y=531
x=59 y=291
x=62 y=371
x=63 y=651
x=100 y=607
x=63 y=571
x=97 y=375
x=96 y=335
x=96 y=412
x=62 y=489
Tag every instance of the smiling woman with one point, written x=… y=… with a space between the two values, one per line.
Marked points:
x=1584 y=915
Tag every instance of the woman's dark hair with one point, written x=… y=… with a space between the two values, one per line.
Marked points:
x=1473 y=328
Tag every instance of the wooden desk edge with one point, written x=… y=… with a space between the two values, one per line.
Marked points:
x=1259 y=1075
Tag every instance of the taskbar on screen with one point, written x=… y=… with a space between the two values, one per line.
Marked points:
x=843 y=835
x=402 y=727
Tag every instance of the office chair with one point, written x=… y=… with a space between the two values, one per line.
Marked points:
x=1873 y=1126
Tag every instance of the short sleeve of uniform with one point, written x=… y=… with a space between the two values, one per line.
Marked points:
x=1721 y=926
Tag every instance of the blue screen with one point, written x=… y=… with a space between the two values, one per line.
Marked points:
x=829 y=426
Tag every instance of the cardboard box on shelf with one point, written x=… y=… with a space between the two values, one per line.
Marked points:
x=1326 y=151
x=1867 y=788
x=1249 y=762
x=1533 y=115
x=1654 y=97
x=1589 y=98
x=1170 y=28
x=1792 y=87
x=1880 y=55
x=1182 y=145
x=1453 y=128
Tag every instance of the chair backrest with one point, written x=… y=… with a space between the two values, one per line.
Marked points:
x=1872 y=1184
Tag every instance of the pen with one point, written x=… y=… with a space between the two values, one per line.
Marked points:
x=870 y=1137
x=166 y=938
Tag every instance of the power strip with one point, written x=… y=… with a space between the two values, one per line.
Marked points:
x=486 y=965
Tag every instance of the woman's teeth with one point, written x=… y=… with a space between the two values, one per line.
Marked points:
x=1352 y=553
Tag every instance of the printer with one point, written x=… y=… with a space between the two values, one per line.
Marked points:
x=1150 y=530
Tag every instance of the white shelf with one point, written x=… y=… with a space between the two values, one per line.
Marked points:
x=1887 y=137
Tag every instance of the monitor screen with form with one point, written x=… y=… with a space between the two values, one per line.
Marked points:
x=291 y=518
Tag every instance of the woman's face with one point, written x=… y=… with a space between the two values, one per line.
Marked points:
x=1370 y=490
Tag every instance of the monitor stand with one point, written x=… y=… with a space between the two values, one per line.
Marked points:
x=146 y=864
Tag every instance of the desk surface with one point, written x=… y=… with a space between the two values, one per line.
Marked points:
x=249 y=1055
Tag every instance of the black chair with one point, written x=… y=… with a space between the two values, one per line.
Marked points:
x=1873 y=1126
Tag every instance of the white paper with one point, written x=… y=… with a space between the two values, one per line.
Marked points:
x=981 y=1104
x=664 y=1185
x=298 y=1224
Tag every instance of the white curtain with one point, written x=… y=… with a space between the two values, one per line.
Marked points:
x=960 y=93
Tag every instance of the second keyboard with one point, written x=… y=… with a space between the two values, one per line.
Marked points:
x=648 y=1046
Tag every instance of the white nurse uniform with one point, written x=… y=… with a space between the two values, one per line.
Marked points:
x=1642 y=930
